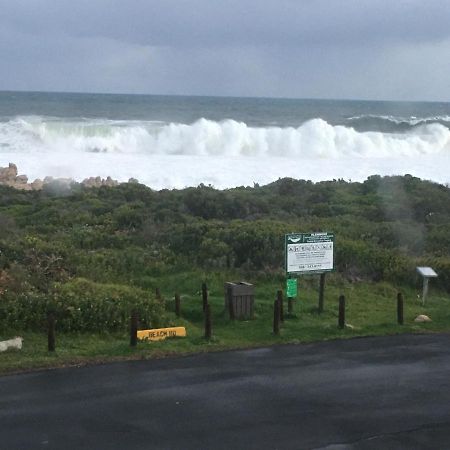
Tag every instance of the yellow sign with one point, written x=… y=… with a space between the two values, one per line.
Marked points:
x=161 y=333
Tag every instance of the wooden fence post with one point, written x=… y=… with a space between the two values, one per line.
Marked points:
x=280 y=301
x=341 y=312
x=177 y=304
x=51 y=331
x=321 y=292
x=133 y=328
x=290 y=305
x=400 y=308
x=208 y=324
x=276 y=317
x=204 y=296
x=157 y=294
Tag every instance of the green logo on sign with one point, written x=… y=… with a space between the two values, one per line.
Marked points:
x=291 y=287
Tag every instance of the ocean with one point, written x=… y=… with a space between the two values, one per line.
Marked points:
x=177 y=141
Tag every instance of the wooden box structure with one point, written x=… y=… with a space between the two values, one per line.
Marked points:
x=242 y=296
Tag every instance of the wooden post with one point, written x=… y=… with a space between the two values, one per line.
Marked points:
x=230 y=302
x=157 y=294
x=290 y=300
x=204 y=296
x=290 y=305
x=341 y=312
x=425 y=290
x=400 y=308
x=276 y=317
x=321 y=292
x=177 y=304
x=208 y=325
x=280 y=304
x=133 y=328
x=51 y=331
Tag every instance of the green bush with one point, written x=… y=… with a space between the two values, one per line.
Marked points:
x=130 y=235
x=23 y=311
x=82 y=305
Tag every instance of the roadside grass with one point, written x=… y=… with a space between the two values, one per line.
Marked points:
x=370 y=310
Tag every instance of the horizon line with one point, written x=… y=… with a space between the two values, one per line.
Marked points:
x=23 y=91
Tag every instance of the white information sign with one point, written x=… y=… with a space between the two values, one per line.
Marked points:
x=309 y=252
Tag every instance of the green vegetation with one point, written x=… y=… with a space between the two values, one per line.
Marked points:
x=93 y=255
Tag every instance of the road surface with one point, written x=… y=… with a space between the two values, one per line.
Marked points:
x=370 y=393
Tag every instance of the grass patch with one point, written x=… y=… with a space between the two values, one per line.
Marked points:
x=371 y=310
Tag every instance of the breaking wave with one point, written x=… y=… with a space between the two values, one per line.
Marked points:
x=394 y=124
x=313 y=139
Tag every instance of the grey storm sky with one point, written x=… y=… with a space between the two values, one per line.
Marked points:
x=371 y=49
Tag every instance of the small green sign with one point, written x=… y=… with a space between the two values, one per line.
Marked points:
x=291 y=287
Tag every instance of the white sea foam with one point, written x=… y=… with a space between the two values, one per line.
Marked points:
x=411 y=120
x=224 y=154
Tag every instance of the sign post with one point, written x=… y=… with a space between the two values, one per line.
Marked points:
x=321 y=291
x=291 y=293
x=426 y=273
x=291 y=287
x=310 y=253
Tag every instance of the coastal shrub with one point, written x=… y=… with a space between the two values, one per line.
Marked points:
x=82 y=305
x=358 y=259
x=85 y=305
x=130 y=235
x=22 y=311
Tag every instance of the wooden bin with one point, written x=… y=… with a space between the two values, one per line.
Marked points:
x=242 y=295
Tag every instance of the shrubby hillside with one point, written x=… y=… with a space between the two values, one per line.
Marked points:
x=114 y=242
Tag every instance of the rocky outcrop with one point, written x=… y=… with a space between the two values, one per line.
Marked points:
x=8 y=174
x=37 y=184
x=9 y=177
x=98 y=182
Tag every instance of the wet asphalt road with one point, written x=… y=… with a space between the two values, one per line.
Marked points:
x=372 y=393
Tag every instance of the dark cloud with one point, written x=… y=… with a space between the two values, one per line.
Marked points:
x=247 y=22
x=309 y=48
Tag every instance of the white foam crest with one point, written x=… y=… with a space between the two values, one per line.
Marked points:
x=313 y=139
x=398 y=120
